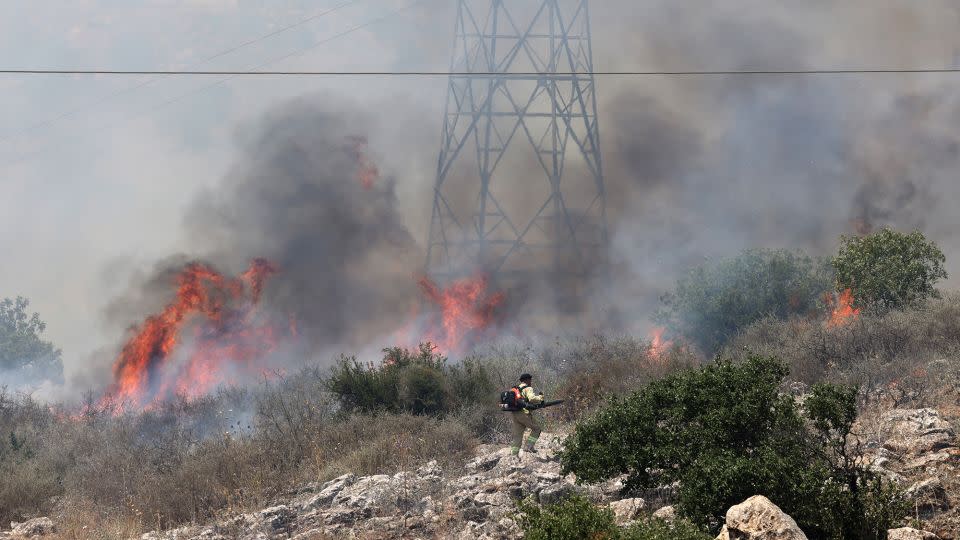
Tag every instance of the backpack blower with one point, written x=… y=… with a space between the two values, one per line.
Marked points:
x=512 y=401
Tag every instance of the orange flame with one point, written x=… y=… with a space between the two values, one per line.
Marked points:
x=227 y=338
x=658 y=345
x=843 y=310
x=463 y=313
x=367 y=171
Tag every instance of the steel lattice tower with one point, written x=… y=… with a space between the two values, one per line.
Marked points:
x=519 y=190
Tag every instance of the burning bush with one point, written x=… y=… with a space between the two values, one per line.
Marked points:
x=713 y=302
x=897 y=355
x=420 y=383
x=888 y=269
x=228 y=338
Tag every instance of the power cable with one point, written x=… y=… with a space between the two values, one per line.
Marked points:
x=109 y=97
x=231 y=76
x=241 y=73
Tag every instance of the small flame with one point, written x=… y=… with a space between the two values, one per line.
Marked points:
x=843 y=310
x=367 y=171
x=227 y=337
x=658 y=345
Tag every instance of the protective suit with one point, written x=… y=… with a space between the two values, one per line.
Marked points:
x=524 y=420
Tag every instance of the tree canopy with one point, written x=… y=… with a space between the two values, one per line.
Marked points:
x=24 y=354
x=714 y=301
x=889 y=269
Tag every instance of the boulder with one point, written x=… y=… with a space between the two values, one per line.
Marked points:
x=557 y=492
x=916 y=431
x=908 y=533
x=627 y=510
x=371 y=492
x=41 y=526
x=667 y=513
x=758 y=518
x=328 y=492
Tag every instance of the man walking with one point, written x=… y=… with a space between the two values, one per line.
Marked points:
x=524 y=419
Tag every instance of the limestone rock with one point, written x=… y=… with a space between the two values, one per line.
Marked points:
x=557 y=492
x=758 y=518
x=627 y=510
x=329 y=491
x=41 y=526
x=486 y=462
x=949 y=455
x=916 y=431
x=276 y=518
x=367 y=493
x=908 y=533
x=667 y=513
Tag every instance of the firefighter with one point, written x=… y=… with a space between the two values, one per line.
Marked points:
x=524 y=419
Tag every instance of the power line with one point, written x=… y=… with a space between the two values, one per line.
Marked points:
x=113 y=95
x=229 y=76
x=243 y=73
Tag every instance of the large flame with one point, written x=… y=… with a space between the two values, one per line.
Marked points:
x=459 y=314
x=228 y=338
x=843 y=310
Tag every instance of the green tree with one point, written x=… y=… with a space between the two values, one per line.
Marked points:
x=24 y=354
x=714 y=301
x=726 y=433
x=889 y=269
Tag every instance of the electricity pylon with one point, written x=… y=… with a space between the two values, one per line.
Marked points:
x=519 y=191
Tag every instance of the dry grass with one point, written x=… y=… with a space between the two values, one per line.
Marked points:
x=107 y=476
x=903 y=358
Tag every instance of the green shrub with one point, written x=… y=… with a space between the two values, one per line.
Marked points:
x=576 y=518
x=713 y=302
x=418 y=383
x=658 y=529
x=888 y=269
x=726 y=433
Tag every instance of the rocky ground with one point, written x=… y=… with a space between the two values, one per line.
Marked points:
x=917 y=448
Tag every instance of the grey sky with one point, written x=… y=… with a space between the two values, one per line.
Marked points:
x=90 y=200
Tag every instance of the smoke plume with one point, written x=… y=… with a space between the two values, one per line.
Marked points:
x=696 y=167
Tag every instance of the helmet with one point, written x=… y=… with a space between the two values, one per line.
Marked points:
x=526 y=377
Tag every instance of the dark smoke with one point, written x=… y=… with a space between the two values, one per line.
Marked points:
x=295 y=196
x=346 y=258
x=696 y=167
